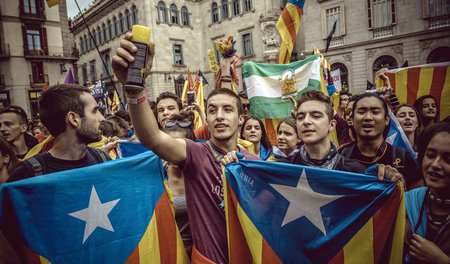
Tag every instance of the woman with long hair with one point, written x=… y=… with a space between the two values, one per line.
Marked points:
x=8 y=160
x=428 y=208
x=288 y=140
x=253 y=130
x=428 y=110
x=409 y=119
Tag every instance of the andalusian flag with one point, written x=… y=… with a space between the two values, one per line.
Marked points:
x=113 y=212
x=416 y=81
x=269 y=87
x=284 y=213
x=287 y=26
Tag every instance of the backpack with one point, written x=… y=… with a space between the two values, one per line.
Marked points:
x=37 y=164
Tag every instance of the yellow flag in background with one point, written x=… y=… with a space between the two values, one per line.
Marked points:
x=51 y=3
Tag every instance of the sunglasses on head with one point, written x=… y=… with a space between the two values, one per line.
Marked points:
x=172 y=123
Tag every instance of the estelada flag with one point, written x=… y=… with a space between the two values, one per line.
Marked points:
x=416 y=81
x=114 y=212
x=284 y=213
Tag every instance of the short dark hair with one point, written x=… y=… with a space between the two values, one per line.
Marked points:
x=227 y=92
x=384 y=106
x=119 y=121
x=108 y=128
x=20 y=113
x=315 y=95
x=343 y=92
x=182 y=116
x=427 y=135
x=124 y=115
x=264 y=138
x=243 y=94
x=57 y=101
x=169 y=95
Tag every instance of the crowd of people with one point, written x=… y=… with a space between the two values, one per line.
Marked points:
x=193 y=157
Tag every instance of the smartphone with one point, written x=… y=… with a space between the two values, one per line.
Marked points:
x=190 y=97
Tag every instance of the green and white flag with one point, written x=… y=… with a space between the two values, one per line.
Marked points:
x=269 y=86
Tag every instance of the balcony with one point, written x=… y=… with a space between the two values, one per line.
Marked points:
x=38 y=82
x=383 y=32
x=4 y=51
x=336 y=42
x=439 y=22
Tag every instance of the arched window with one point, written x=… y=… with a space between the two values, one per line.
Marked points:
x=344 y=72
x=440 y=54
x=185 y=16
x=99 y=36
x=134 y=15
x=162 y=12
x=215 y=12
x=106 y=66
x=104 y=39
x=173 y=14
x=225 y=10
x=127 y=20
x=109 y=31
x=81 y=45
x=94 y=36
x=384 y=61
x=120 y=24
x=90 y=41
x=236 y=7
x=114 y=27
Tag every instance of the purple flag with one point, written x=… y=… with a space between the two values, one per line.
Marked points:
x=69 y=77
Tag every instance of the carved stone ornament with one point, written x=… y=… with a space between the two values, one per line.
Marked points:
x=347 y=57
x=271 y=38
x=370 y=53
x=398 y=49
x=426 y=44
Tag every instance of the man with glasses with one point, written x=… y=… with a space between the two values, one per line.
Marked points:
x=13 y=127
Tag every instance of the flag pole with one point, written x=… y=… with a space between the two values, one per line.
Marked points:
x=101 y=58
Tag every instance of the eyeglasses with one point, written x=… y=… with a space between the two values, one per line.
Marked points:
x=246 y=106
x=172 y=123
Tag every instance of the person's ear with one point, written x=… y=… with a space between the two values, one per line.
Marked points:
x=73 y=119
x=241 y=119
x=23 y=128
x=6 y=159
x=386 y=120
x=332 y=125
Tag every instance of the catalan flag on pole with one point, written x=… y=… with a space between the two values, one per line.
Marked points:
x=288 y=25
x=197 y=87
x=413 y=82
x=114 y=212
x=325 y=63
x=284 y=213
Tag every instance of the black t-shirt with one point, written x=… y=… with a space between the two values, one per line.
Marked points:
x=52 y=164
x=387 y=155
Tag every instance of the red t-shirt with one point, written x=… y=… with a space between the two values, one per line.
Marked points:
x=204 y=199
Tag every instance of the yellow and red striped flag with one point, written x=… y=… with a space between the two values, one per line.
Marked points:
x=413 y=82
x=325 y=63
x=287 y=26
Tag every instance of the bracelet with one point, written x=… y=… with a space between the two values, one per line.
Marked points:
x=136 y=101
x=133 y=89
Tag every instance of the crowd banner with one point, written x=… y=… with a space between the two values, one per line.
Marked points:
x=113 y=212
x=416 y=81
x=284 y=213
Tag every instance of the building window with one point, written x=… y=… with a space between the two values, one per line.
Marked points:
x=247 y=5
x=334 y=14
x=81 y=45
x=173 y=14
x=84 y=74
x=214 y=12
x=104 y=37
x=438 y=7
x=91 y=42
x=37 y=70
x=343 y=70
x=110 y=30
x=127 y=20
x=178 y=54
x=381 y=13
x=247 y=45
x=107 y=69
x=134 y=15
x=33 y=39
x=29 y=7
x=113 y=27
x=236 y=7
x=185 y=16
x=99 y=36
x=92 y=72
x=225 y=10
x=441 y=54
x=120 y=24
x=179 y=85
x=162 y=12
x=384 y=61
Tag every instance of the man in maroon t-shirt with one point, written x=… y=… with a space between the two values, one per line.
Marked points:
x=200 y=162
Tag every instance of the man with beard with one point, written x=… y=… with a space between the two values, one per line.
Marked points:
x=370 y=126
x=199 y=161
x=72 y=116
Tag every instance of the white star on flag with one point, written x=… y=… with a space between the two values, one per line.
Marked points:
x=391 y=138
x=303 y=201
x=96 y=215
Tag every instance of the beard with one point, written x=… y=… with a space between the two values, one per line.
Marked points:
x=88 y=134
x=368 y=138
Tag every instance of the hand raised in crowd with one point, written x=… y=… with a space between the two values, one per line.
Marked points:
x=390 y=172
x=427 y=251
x=109 y=144
x=124 y=56
x=294 y=103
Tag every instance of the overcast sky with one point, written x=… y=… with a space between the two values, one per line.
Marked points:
x=72 y=9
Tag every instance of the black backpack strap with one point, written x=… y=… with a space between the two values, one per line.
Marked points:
x=99 y=155
x=36 y=164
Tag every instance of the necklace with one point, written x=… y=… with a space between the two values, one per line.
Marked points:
x=439 y=200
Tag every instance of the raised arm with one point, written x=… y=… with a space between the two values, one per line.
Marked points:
x=144 y=121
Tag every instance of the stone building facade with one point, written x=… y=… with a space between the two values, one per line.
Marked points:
x=36 y=50
x=373 y=34
x=183 y=31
